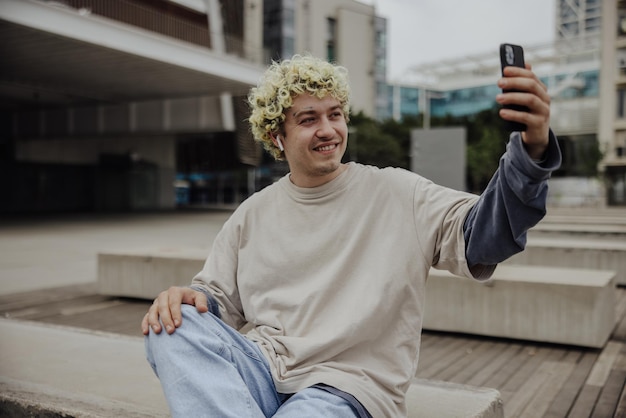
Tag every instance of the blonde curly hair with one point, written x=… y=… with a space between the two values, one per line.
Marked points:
x=285 y=80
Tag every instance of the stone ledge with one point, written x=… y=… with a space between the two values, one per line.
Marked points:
x=547 y=304
x=144 y=273
x=55 y=372
x=537 y=303
x=596 y=254
x=460 y=400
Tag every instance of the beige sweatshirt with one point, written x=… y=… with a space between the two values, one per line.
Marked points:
x=332 y=278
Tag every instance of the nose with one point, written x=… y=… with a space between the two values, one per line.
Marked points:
x=325 y=129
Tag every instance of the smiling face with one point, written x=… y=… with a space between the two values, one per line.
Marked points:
x=315 y=139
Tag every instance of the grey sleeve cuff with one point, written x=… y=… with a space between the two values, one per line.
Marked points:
x=537 y=170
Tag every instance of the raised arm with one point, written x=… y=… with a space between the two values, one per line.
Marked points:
x=515 y=199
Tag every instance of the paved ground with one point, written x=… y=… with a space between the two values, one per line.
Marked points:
x=45 y=252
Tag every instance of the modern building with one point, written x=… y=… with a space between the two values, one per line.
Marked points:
x=121 y=105
x=612 y=127
x=347 y=32
x=578 y=18
x=581 y=70
x=463 y=87
x=104 y=102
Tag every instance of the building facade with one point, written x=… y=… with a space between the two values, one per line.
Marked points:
x=582 y=71
x=612 y=129
x=140 y=104
x=579 y=18
x=347 y=32
x=101 y=99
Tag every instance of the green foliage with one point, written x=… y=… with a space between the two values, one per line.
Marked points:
x=370 y=144
x=388 y=143
x=588 y=157
x=486 y=142
x=483 y=156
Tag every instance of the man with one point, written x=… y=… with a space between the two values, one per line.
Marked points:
x=326 y=268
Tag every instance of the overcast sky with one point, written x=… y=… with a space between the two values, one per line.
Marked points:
x=423 y=31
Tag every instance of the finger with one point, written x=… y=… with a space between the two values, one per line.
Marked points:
x=538 y=110
x=145 y=327
x=169 y=308
x=517 y=73
x=512 y=71
x=525 y=89
x=533 y=86
x=533 y=121
x=152 y=318
x=189 y=297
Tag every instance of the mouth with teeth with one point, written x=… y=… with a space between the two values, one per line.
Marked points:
x=326 y=148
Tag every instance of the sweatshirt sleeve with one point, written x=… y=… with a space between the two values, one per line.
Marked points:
x=513 y=202
x=218 y=278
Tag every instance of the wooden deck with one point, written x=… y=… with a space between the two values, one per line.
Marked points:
x=535 y=380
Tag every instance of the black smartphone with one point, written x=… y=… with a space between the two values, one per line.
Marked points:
x=512 y=55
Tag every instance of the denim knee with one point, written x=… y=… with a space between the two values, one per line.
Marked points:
x=169 y=344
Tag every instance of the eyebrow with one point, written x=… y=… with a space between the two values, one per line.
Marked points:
x=305 y=110
x=311 y=110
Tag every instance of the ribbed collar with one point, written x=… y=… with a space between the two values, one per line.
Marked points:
x=329 y=189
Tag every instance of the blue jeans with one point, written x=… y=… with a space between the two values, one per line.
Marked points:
x=208 y=369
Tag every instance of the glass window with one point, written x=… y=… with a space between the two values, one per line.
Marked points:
x=621 y=103
x=621 y=60
x=331 y=26
x=289 y=46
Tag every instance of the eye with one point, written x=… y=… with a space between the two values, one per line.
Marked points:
x=307 y=121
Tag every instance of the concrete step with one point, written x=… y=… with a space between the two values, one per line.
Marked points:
x=145 y=272
x=536 y=303
x=50 y=371
x=571 y=252
x=434 y=399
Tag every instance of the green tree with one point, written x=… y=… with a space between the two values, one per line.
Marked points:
x=369 y=144
x=388 y=143
x=483 y=157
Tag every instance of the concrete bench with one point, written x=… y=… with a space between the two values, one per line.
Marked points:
x=143 y=273
x=51 y=371
x=575 y=253
x=548 y=304
x=579 y=231
x=431 y=398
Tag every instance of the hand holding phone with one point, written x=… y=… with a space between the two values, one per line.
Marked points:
x=512 y=55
